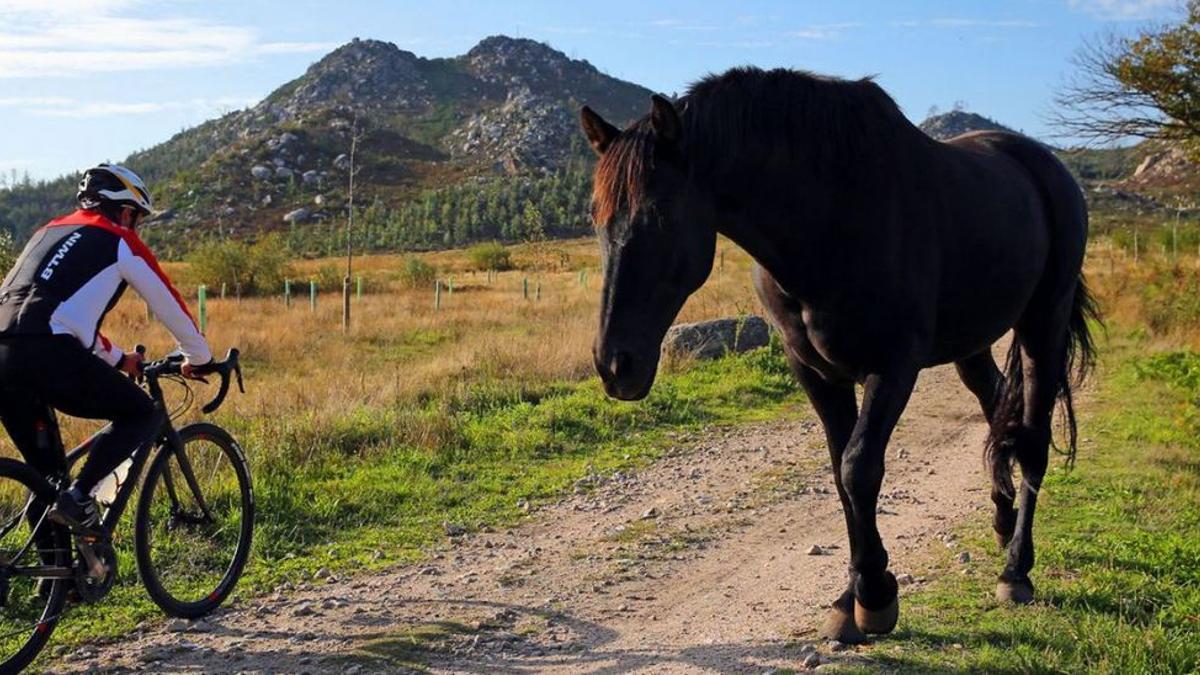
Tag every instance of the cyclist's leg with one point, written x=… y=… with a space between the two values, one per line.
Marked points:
x=81 y=385
x=33 y=428
x=99 y=390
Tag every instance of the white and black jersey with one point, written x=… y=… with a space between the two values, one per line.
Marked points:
x=74 y=270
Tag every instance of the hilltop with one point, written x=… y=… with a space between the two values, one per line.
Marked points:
x=505 y=109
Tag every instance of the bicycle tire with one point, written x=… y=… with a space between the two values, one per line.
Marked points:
x=56 y=598
x=151 y=576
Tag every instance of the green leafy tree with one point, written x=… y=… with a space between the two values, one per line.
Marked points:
x=1145 y=86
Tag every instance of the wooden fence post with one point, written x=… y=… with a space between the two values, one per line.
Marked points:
x=312 y=295
x=287 y=293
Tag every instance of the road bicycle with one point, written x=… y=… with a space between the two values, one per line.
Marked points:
x=192 y=527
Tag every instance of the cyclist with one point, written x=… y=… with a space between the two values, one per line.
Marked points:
x=52 y=354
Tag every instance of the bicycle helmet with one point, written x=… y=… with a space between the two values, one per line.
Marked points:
x=113 y=183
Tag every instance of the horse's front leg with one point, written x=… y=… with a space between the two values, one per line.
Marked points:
x=835 y=405
x=875 y=607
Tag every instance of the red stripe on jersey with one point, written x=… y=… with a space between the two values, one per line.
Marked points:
x=95 y=219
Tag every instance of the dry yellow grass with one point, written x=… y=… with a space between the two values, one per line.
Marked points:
x=301 y=366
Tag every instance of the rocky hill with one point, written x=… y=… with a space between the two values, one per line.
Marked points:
x=955 y=122
x=505 y=108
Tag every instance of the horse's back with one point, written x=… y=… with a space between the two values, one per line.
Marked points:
x=997 y=236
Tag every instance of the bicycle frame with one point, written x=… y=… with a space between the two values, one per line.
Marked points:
x=168 y=440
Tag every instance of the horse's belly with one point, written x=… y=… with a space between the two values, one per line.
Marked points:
x=982 y=300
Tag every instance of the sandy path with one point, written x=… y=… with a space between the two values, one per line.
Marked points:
x=700 y=563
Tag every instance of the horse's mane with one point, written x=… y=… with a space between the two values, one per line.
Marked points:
x=752 y=116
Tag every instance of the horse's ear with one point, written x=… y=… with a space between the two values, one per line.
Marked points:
x=600 y=134
x=665 y=119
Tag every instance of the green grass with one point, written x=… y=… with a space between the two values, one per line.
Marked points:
x=378 y=486
x=1118 y=545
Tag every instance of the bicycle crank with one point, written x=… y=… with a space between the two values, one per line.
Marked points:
x=99 y=571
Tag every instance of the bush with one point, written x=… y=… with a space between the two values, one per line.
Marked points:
x=8 y=251
x=260 y=268
x=329 y=278
x=490 y=256
x=417 y=273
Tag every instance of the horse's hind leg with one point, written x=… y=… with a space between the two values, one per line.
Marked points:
x=1043 y=344
x=981 y=375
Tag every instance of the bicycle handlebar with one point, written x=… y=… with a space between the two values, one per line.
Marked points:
x=172 y=365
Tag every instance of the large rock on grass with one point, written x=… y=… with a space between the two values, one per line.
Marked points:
x=713 y=339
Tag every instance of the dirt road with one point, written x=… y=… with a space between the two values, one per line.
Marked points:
x=704 y=562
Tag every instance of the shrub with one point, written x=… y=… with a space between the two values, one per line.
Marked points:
x=329 y=278
x=260 y=268
x=490 y=256
x=8 y=251
x=417 y=273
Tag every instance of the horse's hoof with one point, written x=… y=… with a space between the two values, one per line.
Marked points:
x=841 y=626
x=1014 y=592
x=877 y=621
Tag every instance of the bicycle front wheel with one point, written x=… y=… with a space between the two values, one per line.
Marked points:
x=35 y=564
x=195 y=519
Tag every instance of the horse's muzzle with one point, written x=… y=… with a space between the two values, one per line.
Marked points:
x=625 y=376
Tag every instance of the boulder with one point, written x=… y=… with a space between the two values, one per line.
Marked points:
x=283 y=172
x=262 y=172
x=298 y=216
x=311 y=177
x=341 y=162
x=713 y=339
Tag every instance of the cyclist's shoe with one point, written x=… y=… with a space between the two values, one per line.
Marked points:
x=75 y=511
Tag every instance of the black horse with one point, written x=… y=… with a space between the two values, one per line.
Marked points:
x=880 y=252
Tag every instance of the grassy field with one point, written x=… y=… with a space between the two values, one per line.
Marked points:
x=366 y=446
x=1118 y=572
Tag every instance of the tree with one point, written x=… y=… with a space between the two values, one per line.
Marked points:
x=1144 y=86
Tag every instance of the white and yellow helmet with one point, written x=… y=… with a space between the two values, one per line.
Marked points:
x=113 y=183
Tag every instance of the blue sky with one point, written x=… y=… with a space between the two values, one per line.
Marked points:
x=87 y=80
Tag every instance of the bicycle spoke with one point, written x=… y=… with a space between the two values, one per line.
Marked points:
x=194 y=527
x=33 y=575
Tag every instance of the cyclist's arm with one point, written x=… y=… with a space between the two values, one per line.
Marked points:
x=139 y=267
x=105 y=349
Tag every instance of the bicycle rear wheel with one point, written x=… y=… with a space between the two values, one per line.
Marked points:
x=195 y=520
x=30 y=604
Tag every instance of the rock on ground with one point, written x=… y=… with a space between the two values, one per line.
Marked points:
x=713 y=339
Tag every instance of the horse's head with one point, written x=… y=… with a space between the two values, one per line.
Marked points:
x=656 y=237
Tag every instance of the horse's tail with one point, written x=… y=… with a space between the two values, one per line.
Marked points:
x=1079 y=358
x=1068 y=215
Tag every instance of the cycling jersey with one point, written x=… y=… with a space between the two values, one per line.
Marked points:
x=74 y=270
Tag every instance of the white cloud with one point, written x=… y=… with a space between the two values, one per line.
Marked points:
x=296 y=47
x=826 y=31
x=68 y=107
x=960 y=22
x=1125 y=10
x=77 y=37
x=681 y=24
